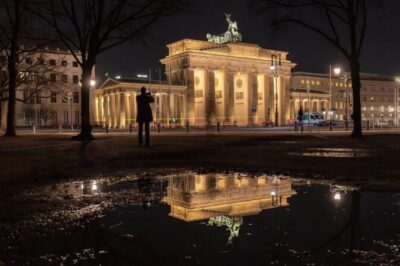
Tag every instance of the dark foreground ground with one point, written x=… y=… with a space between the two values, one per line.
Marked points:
x=372 y=161
x=69 y=203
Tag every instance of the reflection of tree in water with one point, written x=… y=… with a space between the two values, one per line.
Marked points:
x=232 y=223
x=355 y=252
x=351 y=229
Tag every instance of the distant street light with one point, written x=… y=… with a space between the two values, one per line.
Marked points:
x=337 y=196
x=345 y=77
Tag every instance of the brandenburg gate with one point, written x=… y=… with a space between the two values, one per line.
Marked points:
x=230 y=82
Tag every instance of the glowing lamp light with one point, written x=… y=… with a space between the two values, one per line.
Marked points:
x=272 y=67
x=337 y=71
x=273 y=193
x=92 y=82
x=337 y=196
x=118 y=77
x=94 y=186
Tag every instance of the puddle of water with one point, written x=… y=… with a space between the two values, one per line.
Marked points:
x=207 y=219
x=332 y=152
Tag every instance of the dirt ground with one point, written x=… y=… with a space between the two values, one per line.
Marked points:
x=372 y=162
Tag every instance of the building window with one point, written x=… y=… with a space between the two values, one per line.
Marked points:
x=40 y=61
x=3 y=59
x=54 y=116
x=302 y=81
x=364 y=99
x=28 y=60
x=53 y=98
x=52 y=62
x=75 y=97
x=64 y=99
x=64 y=78
x=75 y=79
x=64 y=63
x=53 y=77
x=239 y=96
x=218 y=94
x=65 y=117
x=75 y=64
x=198 y=93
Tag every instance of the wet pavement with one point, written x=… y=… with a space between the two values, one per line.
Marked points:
x=196 y=218
x=332 y=153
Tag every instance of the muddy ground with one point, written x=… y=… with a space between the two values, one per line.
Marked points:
x=372 y=161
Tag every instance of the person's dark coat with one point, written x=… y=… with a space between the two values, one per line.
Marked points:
x=144 y=113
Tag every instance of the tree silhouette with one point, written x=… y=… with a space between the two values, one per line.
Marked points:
x=343 y=23
x=87 y=28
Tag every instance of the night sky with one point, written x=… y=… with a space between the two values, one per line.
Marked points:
x=381 y=51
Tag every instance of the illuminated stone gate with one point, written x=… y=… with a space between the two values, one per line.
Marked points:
x=231 y=83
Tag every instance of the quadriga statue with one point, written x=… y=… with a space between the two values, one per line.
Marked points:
x=231 y=35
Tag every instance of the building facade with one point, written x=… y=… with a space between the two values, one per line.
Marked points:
x=49 y=95
x=380 y=96
x=115 y=103
x=230 y=83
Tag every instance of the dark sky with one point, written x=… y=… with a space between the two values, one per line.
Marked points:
x=381 y=51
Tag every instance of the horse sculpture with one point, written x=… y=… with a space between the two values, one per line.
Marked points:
x=231 y=35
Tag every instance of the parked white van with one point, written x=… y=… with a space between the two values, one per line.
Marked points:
x=315 y=119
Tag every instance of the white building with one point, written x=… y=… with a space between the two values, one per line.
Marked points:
x=53 y=98
x=380 y=96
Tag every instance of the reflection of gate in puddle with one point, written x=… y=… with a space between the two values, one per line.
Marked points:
x=223 y=198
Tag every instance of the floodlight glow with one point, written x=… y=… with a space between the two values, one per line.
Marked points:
x=94 y=186
x=337 y=196
x=337 y=71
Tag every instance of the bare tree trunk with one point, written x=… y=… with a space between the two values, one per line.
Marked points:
x=356 y=116
x=86 y=127
x=12 y=76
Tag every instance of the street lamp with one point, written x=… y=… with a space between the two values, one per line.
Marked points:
x=345 y=78
x=70 y=98
x=275 y=63
x=336 y=71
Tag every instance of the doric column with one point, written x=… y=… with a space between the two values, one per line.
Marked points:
x=99 y=120
x=168 y=108
x=184 y=117
x=122 y=116
x=112 y=110
x=284 y=99
x=106 y=111
x=133 y=107
x=118 y=110
x=210 y=98
x=190 y=95
x=229 y=96
x=161 y=108
x=127 y=108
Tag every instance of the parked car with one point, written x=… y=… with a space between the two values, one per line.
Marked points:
x=381 y=123
x=314 y=119
x=267 y=123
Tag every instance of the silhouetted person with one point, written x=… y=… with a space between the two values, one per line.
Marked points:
x=300 y=118
x=144 y=114
x=300 y=115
